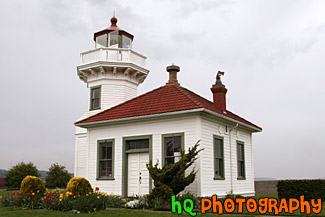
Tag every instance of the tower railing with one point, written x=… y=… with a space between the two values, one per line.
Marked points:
x=113 y=55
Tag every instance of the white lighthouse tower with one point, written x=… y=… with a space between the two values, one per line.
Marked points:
x=112 y=70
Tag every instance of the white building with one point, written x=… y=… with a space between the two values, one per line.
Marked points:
x=121 y=131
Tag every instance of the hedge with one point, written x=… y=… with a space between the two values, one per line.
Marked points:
x=311 y=189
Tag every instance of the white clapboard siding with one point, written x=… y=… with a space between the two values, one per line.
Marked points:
x=81 y=155
x=156 y=128
x=195 y=127
x=209 y=186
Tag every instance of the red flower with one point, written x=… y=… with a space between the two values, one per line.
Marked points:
x=72 y=194
x=32 y=199
x=50 y=193
x=13 y=193
x=22 y=197
x=57 y=196
x=52 y=197
x=31 y=191
x=28 y=193
x=96 y=189
x=17 y=192
x=47 y=196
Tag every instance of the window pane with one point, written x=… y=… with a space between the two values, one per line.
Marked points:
x=126 y=42
x=177 y=143
x=137 y=144
x=113 y=36
x=95 y=93
x=95 y=103
x=169 y=147
x=217 y=168
x=170 y=160
x=109 y=152
x=218 y=148
x=101 y=41
x=103 y=152
x=177 y=156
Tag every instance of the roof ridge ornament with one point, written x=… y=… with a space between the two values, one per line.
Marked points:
x=218 y=79
x=113 y=20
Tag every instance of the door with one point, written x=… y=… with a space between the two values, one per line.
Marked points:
x=138 y=174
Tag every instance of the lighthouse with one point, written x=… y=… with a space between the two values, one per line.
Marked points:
x=113 y=70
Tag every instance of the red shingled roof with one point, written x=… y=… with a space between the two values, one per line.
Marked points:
x=168 y=98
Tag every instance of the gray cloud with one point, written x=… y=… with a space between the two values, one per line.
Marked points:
x=272 y=53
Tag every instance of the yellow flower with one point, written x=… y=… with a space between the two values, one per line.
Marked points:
x=0 y=197
x=33 y=193
x=60 y=199
x=37 y=191
x=98 y=197
x=74 y=196
x=86 y=195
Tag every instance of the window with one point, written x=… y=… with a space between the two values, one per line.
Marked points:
x=137 y=144
x=240 y=160
x=172 y=145
x=95 y=98
x=218 y=158
x=105 y=159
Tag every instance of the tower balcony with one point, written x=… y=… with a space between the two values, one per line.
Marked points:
x=113 y=55
x=108 y=60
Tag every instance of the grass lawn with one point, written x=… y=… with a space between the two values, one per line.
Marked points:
x=10 y=211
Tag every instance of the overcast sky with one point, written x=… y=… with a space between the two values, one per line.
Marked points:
x=272 y=52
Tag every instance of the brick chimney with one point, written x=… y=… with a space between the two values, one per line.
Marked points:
x=172 y=70
x=219 y=93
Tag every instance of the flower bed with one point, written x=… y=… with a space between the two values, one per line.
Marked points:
x=63 y=201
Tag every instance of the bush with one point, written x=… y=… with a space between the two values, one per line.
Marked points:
x=160 y=196
x=57 y=177
x=18 y=172
x=171 y=179
x=311 y=189
x=188 y=195
x=79 y=186
x=32 y=184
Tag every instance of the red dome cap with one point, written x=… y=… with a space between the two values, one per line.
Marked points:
x=113 y=21
x=113 y=27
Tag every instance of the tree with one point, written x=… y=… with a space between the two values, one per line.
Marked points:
x=173 y=175
x=18 y=172
x=57 y=176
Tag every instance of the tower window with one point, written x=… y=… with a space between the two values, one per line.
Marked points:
x=95 y=98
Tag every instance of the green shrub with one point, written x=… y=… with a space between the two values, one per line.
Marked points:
x=32 y=184
x=79 y=186
x=188 y=195
x=18 y=172
x=57 y=177
x=173 y=175
x=160 y=196
x=311 y=189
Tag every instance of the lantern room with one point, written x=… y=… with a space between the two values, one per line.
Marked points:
x=113 y=37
